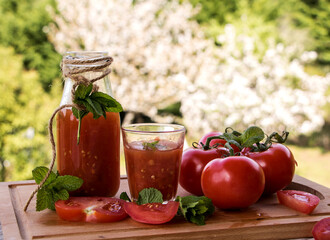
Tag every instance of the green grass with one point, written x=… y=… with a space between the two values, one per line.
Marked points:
x=313 y=164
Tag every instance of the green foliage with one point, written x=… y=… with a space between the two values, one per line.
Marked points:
x=301 y=21
x=97 y=103
x=314 y=15
x=24 y=114
x=24 y=27
x=218 y=11
x=195 y=209
x=149 y=195
x=55 y=187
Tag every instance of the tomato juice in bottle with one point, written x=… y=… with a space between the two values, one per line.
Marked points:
x=96 y=158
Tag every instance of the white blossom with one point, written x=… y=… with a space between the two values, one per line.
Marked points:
x=162 y=57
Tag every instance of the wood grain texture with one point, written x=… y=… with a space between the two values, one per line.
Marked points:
x=263 y=220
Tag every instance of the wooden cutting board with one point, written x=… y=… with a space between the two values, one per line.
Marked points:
x=263 y=220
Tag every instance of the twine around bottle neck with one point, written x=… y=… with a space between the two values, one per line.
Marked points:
x=73 y=68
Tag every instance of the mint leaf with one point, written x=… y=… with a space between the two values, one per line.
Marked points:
x=44 y=199
x=110 y=104
x=96 y=107
x=195 y=209
x=124 y=196
x=57 y=188
x=90 y=108
x=149 y=195
x=79 y=113
x=60 y=195
x=150 y=145
x=97 y=103
x=83 y=91
x=39 y=174
x=67 y=182
x=197 y=219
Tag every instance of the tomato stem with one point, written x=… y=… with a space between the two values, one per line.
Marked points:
x=250 y=138
x=272 y=138
x=207 y=146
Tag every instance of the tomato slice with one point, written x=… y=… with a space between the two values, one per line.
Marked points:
x=152 y=213
x=321 y=230
x=91 y=209
x=298 y=200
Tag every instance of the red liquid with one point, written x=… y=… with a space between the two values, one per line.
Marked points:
x=97 y=157
x=158 y=168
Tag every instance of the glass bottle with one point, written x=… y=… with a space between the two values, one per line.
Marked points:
x=96 y=159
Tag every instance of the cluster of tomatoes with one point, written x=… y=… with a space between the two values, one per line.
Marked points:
x=236 y=181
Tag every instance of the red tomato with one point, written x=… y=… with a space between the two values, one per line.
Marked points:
x=91 y=209
x=233 y=182
x=278 y=164
x=298 y=200
x=192 y=165
x=321 y=230
x=152 y=213
x=220 y=142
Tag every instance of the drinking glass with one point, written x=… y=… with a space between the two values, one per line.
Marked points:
x=153 y=154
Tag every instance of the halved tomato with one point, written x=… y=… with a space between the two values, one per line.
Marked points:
x=298 y=200
x=91 y=209
x=152 y=213
x=321 y=230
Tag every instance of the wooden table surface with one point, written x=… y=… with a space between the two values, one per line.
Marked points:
x=264 y=220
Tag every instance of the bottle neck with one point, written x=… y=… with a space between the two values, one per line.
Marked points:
x=85 y=67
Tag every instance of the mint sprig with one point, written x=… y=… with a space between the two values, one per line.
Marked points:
x=195 y=209
x=97 y=103
x=55 y=188
x=146 y=195
x=150 y=145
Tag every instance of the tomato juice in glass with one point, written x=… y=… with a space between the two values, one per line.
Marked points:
x=153 y=154
x=96 y=159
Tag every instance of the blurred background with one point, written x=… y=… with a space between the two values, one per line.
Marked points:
x=206 y=64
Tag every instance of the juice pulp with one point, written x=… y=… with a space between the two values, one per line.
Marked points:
x=156 y=167
x=96 y=159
